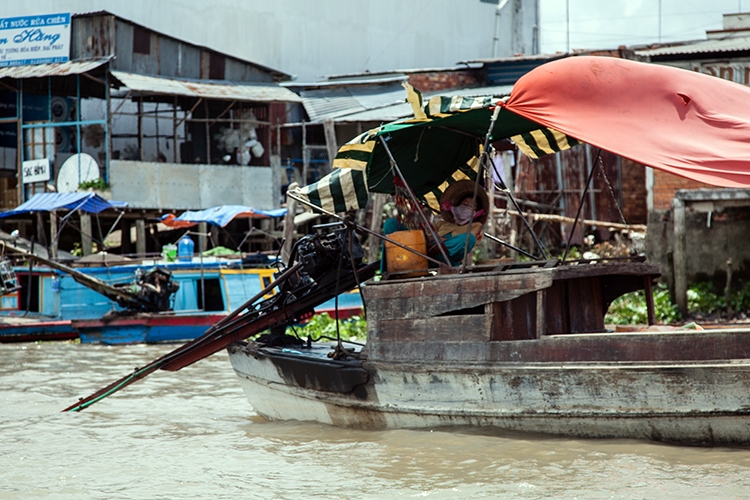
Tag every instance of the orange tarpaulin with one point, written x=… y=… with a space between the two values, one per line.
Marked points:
x=686 y=123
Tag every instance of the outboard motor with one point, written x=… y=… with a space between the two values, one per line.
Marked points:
x=8 y=279
x=155 y=287
x=321 y=253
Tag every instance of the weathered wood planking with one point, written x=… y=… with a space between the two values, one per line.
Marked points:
x=432 y=297
x=463 y=328
x=658 y=347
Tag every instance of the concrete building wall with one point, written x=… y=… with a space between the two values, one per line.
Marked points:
x=714 y=233
x=311 y=38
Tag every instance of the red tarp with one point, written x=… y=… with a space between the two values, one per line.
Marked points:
x=686 y=123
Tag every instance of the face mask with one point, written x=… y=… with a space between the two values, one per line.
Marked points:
x=462 y=214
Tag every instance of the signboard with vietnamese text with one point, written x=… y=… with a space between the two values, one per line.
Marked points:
x=35 y=171
x=34 y=39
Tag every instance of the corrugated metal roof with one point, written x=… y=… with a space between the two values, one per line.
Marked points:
x=209 y=90
x=402 y=109
x=704 y=46
x=521 y=58
x=331 y=103
x=53 y=69
x=364 y=79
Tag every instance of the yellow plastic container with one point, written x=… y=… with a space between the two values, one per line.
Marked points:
x=400 y=260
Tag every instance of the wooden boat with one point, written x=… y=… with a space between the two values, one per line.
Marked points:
x=522 y=350
x=525 y=349
x=522 y=346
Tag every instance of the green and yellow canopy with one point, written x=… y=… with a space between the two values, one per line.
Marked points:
x=440 y=145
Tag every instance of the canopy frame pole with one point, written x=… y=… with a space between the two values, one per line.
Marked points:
x=413 y=197
x=512 y=247
x=580 y=204
x=506 y=191
x=480 y=168
x=364 y=229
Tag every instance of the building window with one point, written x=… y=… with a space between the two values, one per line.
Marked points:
x=215 y=67
x=141 y=40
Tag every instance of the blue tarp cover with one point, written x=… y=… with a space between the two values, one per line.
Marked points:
x=220 y=216
x=46 y=202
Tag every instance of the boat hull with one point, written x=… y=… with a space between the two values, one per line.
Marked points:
x=145 y=328
x=689 y=402
x=15 y=329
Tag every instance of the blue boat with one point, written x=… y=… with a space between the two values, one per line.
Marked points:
x=104 y=303
x=206 y=291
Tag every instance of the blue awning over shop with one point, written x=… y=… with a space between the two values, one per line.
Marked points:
x=220 y=216
x=46 y=202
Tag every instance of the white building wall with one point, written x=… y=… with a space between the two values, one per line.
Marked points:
x=312 y=38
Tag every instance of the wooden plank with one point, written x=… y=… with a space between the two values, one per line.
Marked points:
x=601 y=347
x=585 y=305
x=427 y=298
x=462 y=328
x=556 y=317
x=609 y=268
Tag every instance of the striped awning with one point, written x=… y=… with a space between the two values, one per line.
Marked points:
x=439 y=145
x=543 y=141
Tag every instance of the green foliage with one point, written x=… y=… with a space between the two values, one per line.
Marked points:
x=98 y=184
x=702 y=299
x=354 y=328
x=630 y=309
x=741 y=299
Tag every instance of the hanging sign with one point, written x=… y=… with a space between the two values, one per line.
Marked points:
x=35 y=171
x=34 y=39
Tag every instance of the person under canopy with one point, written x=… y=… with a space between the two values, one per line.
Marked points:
x=453 y=229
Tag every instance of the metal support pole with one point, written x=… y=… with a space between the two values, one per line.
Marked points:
x=208 y=135
x=140 y=128
x=512 y=247
x=480 y=170
x=580 y=205
x=107 y=129
x=175 y=150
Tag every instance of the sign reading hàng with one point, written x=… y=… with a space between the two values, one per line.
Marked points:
x=34 y=39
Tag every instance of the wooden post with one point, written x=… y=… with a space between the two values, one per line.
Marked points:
x=202 y=229
x=330 y=133
x=649 y=291
x=680 y=258
x=540 y=319
x=53 y=235
x=291 y=210
x=374 y=245
x=176 y=149
x=85 y=234
x=305 y=155
x=41 y=231
x=214 y=236
x=728 y=290
x=140 y=129
x=140 y=237
x=126 y=243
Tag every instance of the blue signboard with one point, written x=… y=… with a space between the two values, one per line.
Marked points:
x=34 y=39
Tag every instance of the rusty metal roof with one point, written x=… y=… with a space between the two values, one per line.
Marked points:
x=53 y=69
x=209 y=90
x=390 y=105
x=729 y=44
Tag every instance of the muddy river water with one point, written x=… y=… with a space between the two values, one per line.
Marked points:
x=192 y=434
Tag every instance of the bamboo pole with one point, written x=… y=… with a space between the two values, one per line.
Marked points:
x=560 y=218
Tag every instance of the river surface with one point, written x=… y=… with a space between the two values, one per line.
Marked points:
x=192 y=434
